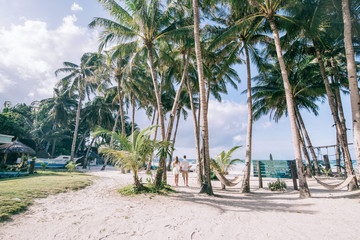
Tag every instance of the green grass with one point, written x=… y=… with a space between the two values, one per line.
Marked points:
x=16 y=194
x=147 y=188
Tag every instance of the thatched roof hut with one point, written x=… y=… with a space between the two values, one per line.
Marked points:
x=16 y=147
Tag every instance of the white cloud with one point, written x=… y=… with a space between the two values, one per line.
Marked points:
x=31 y=52
x=76 y=7
x=267 y=125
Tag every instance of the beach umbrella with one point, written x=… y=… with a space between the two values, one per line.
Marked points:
x=16 y=147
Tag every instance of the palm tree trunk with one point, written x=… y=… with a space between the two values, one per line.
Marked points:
x=174 y=138
x=87 y=153
x=196 y=133
x=177 y=97
x=160 y=173
x=310 y=146
x=155 y=135
x=352 y=77
x=133 y=113
x=81 y=141
x=115 y=125
x=304 y=189
x=303 y=146
x=338 y=154
x=76 y=124
x=245 y=186
x=331 y=100
x=53 y=148
x=206 y=187
x=122 y=115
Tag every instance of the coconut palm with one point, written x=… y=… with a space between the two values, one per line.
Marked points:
x=81 y=78
x=223 y=162
x=241 y=39
x=352 y=75
x=129 y=151
x=267 y=11
x=206 y=184
x=141 y=24
x=313 y=18
x=59 y=108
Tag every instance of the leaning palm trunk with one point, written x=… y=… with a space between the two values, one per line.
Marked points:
x=174 y=138
x=133 y=114
x=160 y=173
x=87 y=153
x=196 y=133
x=352 y=77
x=148 y=168
x=176 y=103
x=112 y=135
x=206 y=186
x=177 y=98
x=305 y=152
x=339 y=129
x=76 y=123
x=245 y=186
x=311 y=148
x=304 y=189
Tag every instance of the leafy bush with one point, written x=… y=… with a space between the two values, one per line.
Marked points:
x=71 y=166
x=277 y=186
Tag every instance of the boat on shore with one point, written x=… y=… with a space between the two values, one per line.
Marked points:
x=58 y=162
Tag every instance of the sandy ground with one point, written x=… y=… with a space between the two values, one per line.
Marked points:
x=99 y=212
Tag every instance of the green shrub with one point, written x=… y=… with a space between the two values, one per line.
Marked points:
x=71 y=166
x=277 y=186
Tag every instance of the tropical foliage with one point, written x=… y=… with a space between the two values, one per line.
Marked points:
x=158 y=56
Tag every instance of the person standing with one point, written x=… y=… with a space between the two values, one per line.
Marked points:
x=176 y=170
x=184 y=169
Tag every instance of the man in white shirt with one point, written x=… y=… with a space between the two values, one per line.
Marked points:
x=184 y=169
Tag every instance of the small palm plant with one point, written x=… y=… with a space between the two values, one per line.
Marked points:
x=223 y=162
x=129 y=151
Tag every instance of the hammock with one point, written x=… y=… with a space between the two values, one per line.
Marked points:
x=336 y=186
x=225 y=181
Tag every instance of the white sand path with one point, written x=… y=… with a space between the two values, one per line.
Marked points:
x=99 y=212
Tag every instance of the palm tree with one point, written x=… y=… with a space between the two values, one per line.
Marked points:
x=131 y=151
x=206 y=185
x=312 y=16
x=141 y=24
x=241 y=39
x=59 y=108
x=223 y=162
x=352 y=77
x=81 y=79
x=267 y=10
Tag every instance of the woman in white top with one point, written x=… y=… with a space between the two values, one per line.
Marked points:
x=176 y=170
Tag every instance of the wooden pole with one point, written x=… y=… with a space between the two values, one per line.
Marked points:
x=259 y=174
x=293 y=175
x=32 y=166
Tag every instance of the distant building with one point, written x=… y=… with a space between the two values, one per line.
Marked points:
x=5 y=138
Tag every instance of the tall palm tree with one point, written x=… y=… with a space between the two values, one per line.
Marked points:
x=241 y=39
x=206 y=185
x=313 y=18
x=141 y=24
x=80 y=78
x=59 y=108
x=266 y=10
x=352 y=77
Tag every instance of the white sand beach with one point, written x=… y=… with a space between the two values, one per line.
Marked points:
x=99 y=212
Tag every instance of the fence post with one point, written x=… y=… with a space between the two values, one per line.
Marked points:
x=259 y=174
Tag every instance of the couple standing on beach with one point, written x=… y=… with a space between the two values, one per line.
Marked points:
x=184 y=168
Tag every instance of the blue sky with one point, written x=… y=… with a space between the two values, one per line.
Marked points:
x=36 y=36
